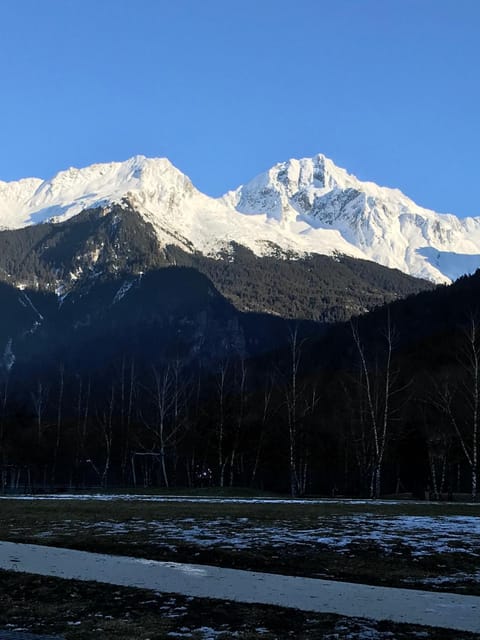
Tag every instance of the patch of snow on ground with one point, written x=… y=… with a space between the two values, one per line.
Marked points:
x=135 y=497
x=417 y=535
x=424 y=535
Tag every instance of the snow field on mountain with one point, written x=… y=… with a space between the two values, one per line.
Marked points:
x=301 y=206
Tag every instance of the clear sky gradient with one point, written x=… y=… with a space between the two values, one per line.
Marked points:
x=389 y=89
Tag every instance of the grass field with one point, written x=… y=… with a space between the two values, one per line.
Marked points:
x=421 y=545
x=418 y=545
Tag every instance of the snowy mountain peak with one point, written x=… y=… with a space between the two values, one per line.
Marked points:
x=306 y=205
x=383 y=223
x=69 y=192
x=303 y=180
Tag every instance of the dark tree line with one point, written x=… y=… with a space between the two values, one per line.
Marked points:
x=377 y=420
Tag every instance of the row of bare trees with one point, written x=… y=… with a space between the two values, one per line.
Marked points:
x=457 y=397
x=448 y=399
x=285 y=424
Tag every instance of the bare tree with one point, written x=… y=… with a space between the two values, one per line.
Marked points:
x=267 y=396
x=461 y=402
x=169 y=413
x=300 y=402
x=291 y=398
x=39 y=400
x=164 y=399
x=191 y=468
x=101 y=460
x=358 y=434
x=82 y=420
x=378 y=391
x=437 y=435
x=437 y=459
x=238 y=422
x=127 y=396
x=222 y=458
x=3 y=411
x=58 y=426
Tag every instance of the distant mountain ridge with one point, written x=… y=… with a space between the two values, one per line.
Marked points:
x=297 y=208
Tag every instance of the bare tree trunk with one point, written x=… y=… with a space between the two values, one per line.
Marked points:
x=466 y=429
x=83 y=411
x=475 y=366
x=163 y=400
x=266 y=405
x=164 y=468
x=222 y=459
x=134 y=474
x=58 y=428
x=105 y=422
x=239 y=420
x=292 y=417
x=3 y=455
x=39 y=399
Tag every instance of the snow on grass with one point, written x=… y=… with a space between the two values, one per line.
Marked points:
x=455 y=578
x=135 y=497
x=420 y=535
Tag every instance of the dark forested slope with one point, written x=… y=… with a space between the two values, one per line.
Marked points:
x=100 y=243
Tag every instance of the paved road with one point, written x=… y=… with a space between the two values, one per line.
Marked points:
x=443 y=610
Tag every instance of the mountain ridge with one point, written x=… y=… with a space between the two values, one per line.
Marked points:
x=302 y=207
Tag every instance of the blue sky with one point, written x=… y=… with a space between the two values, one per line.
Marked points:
x=389 y=89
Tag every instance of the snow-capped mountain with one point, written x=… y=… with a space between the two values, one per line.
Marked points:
x=307 y=206
x=387 y=226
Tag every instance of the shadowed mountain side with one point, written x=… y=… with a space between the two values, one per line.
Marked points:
x=167 y=314
x=101 y=243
